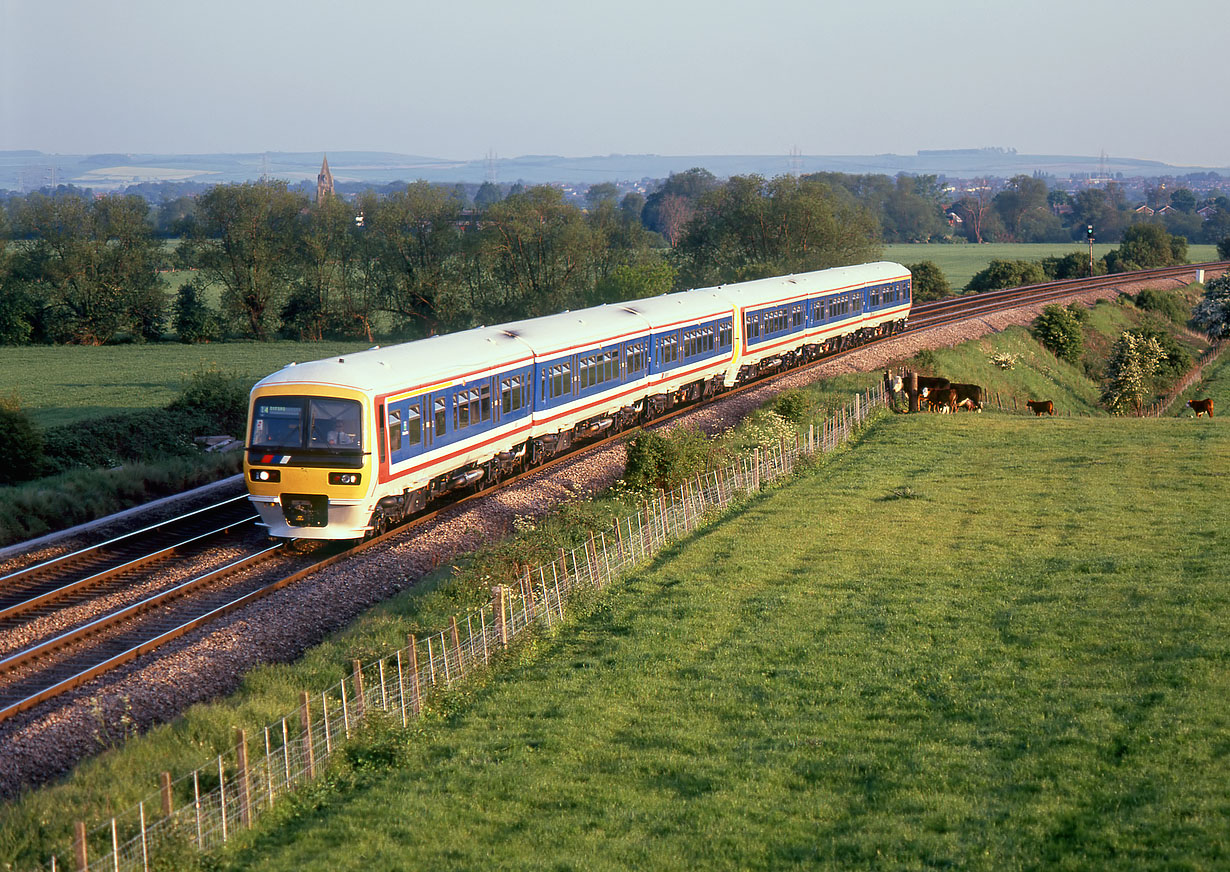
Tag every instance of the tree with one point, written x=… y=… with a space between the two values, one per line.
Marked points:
x=21 y=444
x=538 y=248
x=634 y=283
x=94 y=263
x=750 y=228
x=1212 y=314
x=412 y=245
x=601 y=193
x=1147 y=245
x=911 y=211
x=1020 y=204
x=669 y=208
x=975 y=210
x=1059 y=330
x=1105 y=208
x=488 y=194
x=244 y=239
x=1183 y=200
x=929 y=282
x=1129 y=373
x=1223 y=249
x=191 y=318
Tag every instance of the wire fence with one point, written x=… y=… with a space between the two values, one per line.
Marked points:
x=1162 y=406
x=205 y=808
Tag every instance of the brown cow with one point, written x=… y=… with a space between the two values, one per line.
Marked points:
x=969 y=396
x=1202 y=407
x=942 y=399
x=1041 y=407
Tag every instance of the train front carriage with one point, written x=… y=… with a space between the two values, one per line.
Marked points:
x=309 y=465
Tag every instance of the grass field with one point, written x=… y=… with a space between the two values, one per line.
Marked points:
x=960 y=262
x=62 y=384
x=1020 y=663
x=981 y=642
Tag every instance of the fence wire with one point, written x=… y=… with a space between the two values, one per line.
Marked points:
x=205 y=808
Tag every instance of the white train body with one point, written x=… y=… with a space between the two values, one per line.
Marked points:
x=340 y=447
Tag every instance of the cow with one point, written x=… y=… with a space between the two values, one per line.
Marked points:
x=1041 y=407
x=924 y=382
x=1202 y=407
x=942 y=399
x=968 y=396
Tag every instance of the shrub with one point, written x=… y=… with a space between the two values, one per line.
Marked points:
x=1212 y=314
x=21 y=445
x=1167 y=305
x=662 y=462
x=929 y=282
x=221 y=397
x=791 y=405
x=1059 y=331
x=1001 y=274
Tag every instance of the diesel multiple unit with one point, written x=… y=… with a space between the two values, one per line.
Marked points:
x=344 y=447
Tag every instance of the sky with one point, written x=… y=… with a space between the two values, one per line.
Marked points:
x=465 y=80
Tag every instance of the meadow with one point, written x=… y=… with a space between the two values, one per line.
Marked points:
x=983 y=642
x=960 y=262
x=62 y=384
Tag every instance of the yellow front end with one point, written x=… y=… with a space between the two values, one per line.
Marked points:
x=316 y=479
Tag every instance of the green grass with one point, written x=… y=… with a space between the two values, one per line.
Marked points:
x=960 y=262
x=1021 y=666
x=62 y=384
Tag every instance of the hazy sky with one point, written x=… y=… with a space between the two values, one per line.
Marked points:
x=464 y=78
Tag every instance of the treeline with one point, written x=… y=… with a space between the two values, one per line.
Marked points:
x=411 y=260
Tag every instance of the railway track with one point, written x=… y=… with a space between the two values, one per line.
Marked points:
x=129 y=604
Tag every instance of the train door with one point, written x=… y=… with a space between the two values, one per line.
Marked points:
x=437 y=417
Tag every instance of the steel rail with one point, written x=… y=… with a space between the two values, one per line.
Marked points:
x=98 y=577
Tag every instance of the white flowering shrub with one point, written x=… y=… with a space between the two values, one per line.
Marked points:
x=1004 y=360
x=1129 y=372
x=1212 y=314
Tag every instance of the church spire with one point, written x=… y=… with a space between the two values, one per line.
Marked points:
x=324 y=181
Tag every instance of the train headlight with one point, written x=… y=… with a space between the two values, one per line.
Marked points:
x=350 y=478
x=265 y=475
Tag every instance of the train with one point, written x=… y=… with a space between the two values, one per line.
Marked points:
x=346 y=447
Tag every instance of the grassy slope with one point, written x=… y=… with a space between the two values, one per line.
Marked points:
x=1024 y=666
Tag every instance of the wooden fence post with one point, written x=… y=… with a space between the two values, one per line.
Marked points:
x=416 y=699
x=241 y=760
x=452 y=625
x=360 y=701
x=164 y=785
x=497 y=608
x=305 y=722
x=79 y=847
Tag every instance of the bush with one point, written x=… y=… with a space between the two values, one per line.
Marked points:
x=1001 y=274
x=663 y=462
x=928 y=282
x=1212 y=314
x=21 y=445
x=1059 y=330
x=791 y=405
x=1167 y=305
x=222 y=398
x=1072 y=266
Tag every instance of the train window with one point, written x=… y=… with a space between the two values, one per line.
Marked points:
x=559 y=380
x=471 y=407
x=512 y=394
x=796 y=316
x=724 y=334
x=634 y=358
x=334 y=424
x=277 y=422
x=412 y=427
x=440 y=411
x=668 y=351
x=753 y=327
x=394 y=430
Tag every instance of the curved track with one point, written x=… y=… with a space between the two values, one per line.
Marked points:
x=140 y=612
